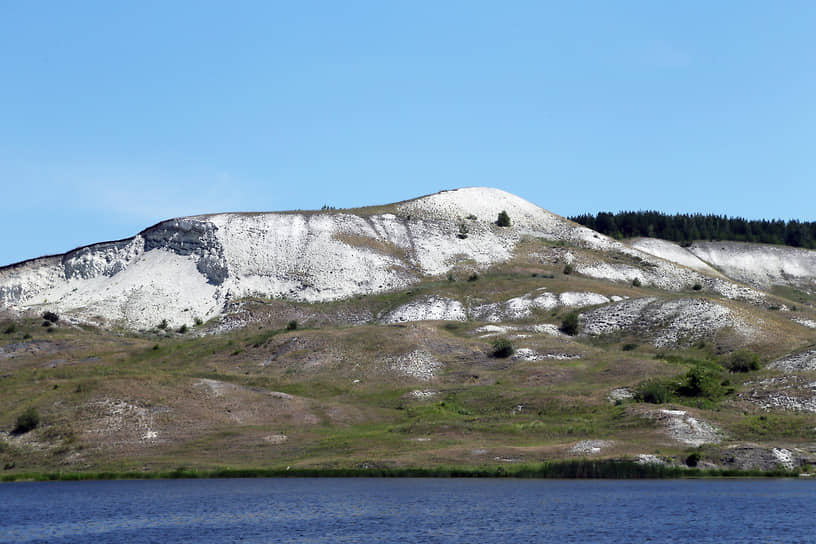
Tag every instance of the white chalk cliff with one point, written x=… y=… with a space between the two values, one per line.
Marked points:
x=190 y=268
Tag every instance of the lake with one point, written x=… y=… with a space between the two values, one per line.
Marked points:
x=363 y=510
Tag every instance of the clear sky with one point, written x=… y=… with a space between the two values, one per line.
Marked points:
x=116 y=115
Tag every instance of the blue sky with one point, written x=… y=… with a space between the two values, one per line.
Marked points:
x=116 y=115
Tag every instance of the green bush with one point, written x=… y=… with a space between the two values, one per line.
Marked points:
x=292 y=325
x=567 y=269
x=51 y=316
x=742 y=361
x=198 y=321
x=473 y=277
x=502 y=348
x=693 y=459
x=163 y=324
x=463 y=231
x=697 y=287
x=183 y=328
x=653 y=392
x=629 y=347
x=10 y=329
x=503 y=219
x=569 y=325
x=701 y=382
x=636 y=282
x=27 y=421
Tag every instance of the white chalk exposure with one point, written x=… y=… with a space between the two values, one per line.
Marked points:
x=418 y=364
x=547 y=328
x=671 y=251
x=522 y=307
x=666 y=322
x=759 y=264
x=427 y=309
x=423 y=394
x=190 y=268
x=809 y=323
x=657 y=271
x=527 y=354
x=784 y=457
x=589 y=447
x=487 y=331
x=648 y=459
x=789 y=392
x=621 y=394
x=798 y=362
x=687 y=429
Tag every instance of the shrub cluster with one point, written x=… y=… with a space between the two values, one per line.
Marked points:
x=653 y=392
x=51 y=316
x=503 y=220
x=741 y=361
x=702 y=382
x=502 y=348
x=706 y=379
x=569 y=325
x=27 y=421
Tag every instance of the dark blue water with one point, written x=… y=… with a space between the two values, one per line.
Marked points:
x=409 y=510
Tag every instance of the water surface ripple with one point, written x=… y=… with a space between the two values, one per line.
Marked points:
x=408 y=510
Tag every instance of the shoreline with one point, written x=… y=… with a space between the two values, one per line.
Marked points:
x=578 y=470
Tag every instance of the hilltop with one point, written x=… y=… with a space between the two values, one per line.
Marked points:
x=191 y=267
x=420 y=333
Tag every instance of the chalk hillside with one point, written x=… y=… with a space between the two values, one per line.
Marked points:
x=427 y=332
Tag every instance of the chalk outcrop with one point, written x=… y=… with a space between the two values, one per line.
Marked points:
x=664 y=322
x=192 y=268
x=760 y=265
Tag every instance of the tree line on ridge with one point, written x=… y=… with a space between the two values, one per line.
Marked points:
x=685 y=228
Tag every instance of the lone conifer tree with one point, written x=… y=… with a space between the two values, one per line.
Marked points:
x=503 y=220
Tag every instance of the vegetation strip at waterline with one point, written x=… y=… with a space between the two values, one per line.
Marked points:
x=578 y=469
